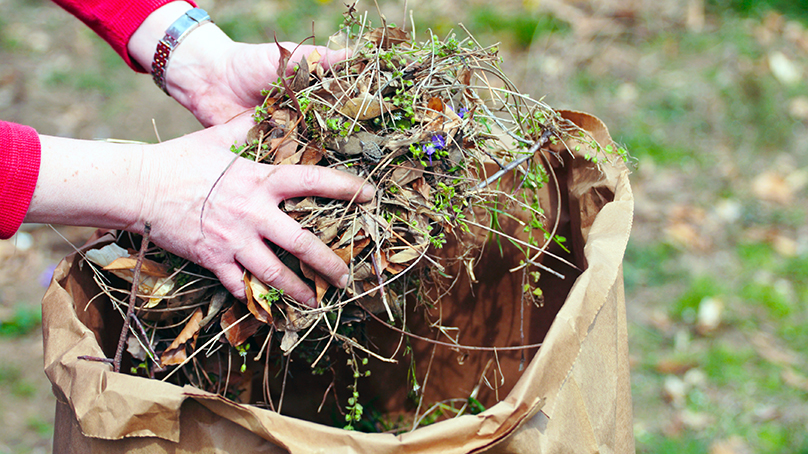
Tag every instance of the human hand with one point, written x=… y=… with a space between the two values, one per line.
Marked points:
x=226 y=225
x=123 y=186
x=211 y=75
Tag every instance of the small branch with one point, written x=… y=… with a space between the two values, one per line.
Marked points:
x=95 y=359
x=130 y=311
x=545 y=136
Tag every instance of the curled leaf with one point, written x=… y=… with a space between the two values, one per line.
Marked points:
x=175 y=353
x=256 y=304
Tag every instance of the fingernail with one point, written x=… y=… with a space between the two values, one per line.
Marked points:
x=368 y=191
x=343 y=281
x=311 y=302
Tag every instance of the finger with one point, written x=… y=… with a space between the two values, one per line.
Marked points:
x=266 y=266
x=288 y=181
x=303 y=244
x=331 y=57
x=232 y=277
x=328 y=56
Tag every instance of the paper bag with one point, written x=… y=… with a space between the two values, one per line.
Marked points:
x=570 y=395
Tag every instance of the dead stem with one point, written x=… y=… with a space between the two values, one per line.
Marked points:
x=130 y=311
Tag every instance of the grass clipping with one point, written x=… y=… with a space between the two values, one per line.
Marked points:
x=433 y=126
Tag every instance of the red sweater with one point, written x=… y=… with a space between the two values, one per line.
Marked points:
x=113 y=20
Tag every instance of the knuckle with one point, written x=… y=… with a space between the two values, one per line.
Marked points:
x=302 y=242
x=272 y=274
x=310 y=177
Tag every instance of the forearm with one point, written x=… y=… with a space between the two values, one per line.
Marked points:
x=89 y=183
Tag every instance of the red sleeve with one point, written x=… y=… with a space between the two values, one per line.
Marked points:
x=114 y=20
x=19 y=168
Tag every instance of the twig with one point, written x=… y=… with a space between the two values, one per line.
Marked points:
x=381 y=284
x=545 y=136
x=97 y=359
x=130 y=311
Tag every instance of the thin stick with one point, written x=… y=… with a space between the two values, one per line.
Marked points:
x=283 y=386
x=381 y=284
x=130 y=311
x=417 y=421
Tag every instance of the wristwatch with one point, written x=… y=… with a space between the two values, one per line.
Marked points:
x=175 y=33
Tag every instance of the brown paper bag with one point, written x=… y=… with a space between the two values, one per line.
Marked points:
x=573 y=396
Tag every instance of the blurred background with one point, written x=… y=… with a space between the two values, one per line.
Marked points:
x=709 y=96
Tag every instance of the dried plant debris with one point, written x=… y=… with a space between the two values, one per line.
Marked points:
x=434 y=126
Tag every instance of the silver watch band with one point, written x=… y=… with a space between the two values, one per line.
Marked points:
x=175 y=33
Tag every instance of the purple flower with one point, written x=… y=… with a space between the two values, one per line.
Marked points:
x=429 y=150
x=462 y=112
x=438 y=141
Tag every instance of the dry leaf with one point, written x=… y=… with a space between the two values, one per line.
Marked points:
x=435 y=107
x=312 y=154
x=239 y=333
x=134 y=348
x=308 y=272
x=313 y=59
x=175 y=353
x=283 y=60
x=349 y=252
x=321 y=286
x=366 y=107
x=423 y=188
x=294 y=159
x=405 y=174
x=302 y=75
x=405 y=256
x=255 y=303
x=289 y=340
x=147 y=267
x=387 y=37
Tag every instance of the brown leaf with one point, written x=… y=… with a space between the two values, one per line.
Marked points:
x=313 y=59
x=283 y=61
x=422 y=187
x=175 y=353
x=366 y=107
x=387 y=37
x=148 y=267
x=257 y=305
x=406 y=174
x=464 y=76
x=285 y=151
x=321 y=286
x=308 y=272
x=435 y=107
x=349 y=252
x=239 y=334
x=312 y=155
x=302 y=76
x=407 y=255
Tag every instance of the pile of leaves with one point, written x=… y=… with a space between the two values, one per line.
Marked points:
x=433 y=125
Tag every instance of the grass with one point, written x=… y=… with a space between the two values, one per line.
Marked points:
x=24 y=319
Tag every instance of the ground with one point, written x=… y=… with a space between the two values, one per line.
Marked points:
x=710 y=98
